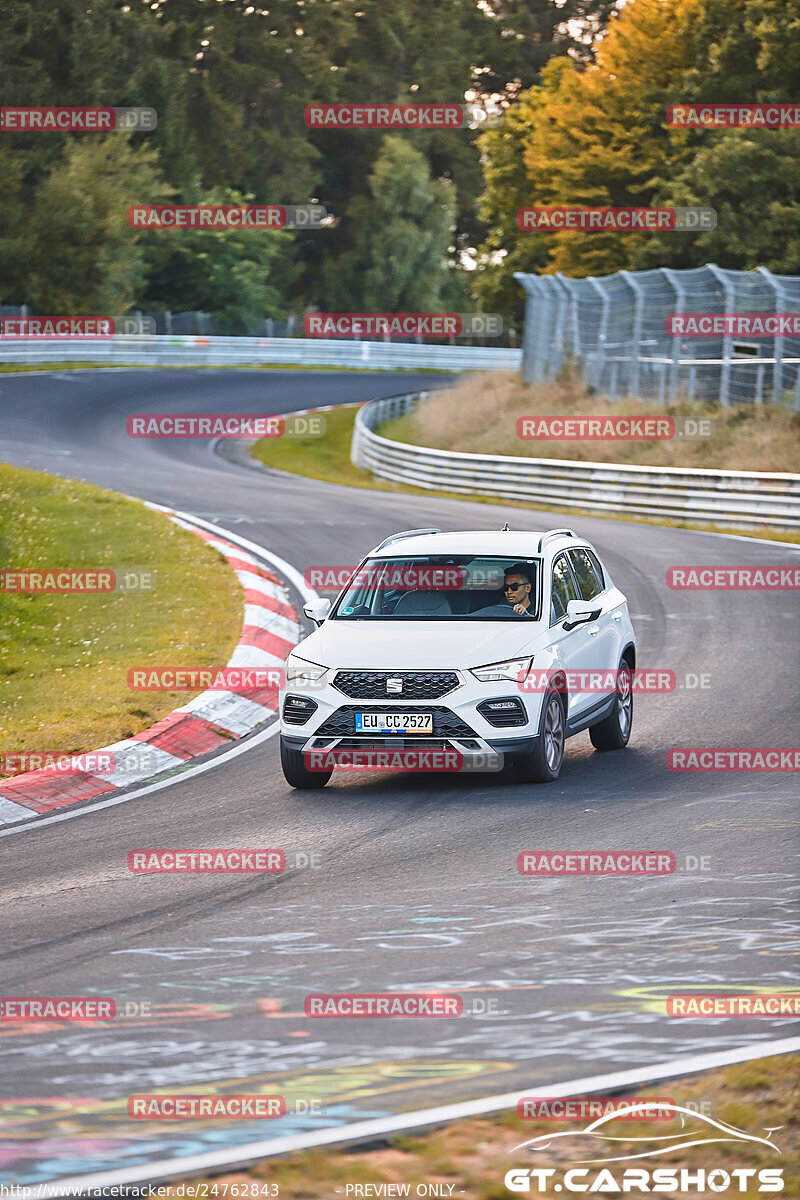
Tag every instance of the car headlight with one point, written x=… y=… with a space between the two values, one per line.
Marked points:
x=300 y=670
x=508 y=671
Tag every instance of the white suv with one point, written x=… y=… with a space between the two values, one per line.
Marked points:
x=435 y=640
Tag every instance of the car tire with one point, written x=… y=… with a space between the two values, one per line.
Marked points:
x=543 y=764
x=614 y=731
x=295 y=771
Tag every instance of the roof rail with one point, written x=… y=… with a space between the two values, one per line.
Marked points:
x=551 y=533
x=407 y=533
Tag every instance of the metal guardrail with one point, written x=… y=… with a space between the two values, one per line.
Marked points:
x=170 y=351
x=735 y=499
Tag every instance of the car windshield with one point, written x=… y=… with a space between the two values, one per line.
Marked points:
x=442 y=588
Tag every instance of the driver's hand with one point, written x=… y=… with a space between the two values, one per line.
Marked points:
x=521 y=609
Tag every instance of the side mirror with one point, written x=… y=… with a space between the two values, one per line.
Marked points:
x=579 y=612
x=317 y=610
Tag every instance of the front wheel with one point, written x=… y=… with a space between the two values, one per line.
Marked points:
x=295 y=771
x=543 y=764
x=614 y=732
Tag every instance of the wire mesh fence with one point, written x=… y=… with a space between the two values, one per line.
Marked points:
x=619 y=329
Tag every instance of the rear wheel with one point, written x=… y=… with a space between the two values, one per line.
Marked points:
x=613 y=733
x=543 y=764
x=295 y=771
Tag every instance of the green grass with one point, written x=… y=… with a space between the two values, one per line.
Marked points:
x=328 y=458
x=16 y=368
x=64 y=659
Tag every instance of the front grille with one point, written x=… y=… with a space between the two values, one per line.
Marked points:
x=503 y=712
x=417 y=685
x=298 y=709
x=445 y=723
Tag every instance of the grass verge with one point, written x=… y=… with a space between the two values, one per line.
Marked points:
x=7 y=368
x=64 y=659
x=469 y=1158
x=479 y=415
x=328 y=458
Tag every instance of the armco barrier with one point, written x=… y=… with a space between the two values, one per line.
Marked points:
x=163 y=350
x=735 y=499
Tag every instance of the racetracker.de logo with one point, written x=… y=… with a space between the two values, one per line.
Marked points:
x=206 y=425
x=755 y=758
x=597 y=429
x=400 y=325
x=211 y=862
x=226 y=216
x=383 y=760
x=765 y=1004
x=387 y=116
x=62 y=1008
x=77 y=120
x=733 y=116
x=704 y=324
x=605 y=682
x=596 y=862
x=574 y=1108
x=557 y=218
x=97 y=762
x=734 y=579
x=388 y=578
x=382 y=1004
x=159 y=1107
x=204 y=679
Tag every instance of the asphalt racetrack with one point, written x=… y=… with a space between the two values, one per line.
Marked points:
x=415 y=884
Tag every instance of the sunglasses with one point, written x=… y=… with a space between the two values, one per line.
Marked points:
x=512 y=587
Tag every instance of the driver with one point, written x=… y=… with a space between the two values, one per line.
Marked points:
x=517 y=589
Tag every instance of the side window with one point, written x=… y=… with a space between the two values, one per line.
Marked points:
x=584 y=573
x=563 y=589
x=598 y=570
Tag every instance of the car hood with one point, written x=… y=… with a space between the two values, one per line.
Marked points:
x=417 y=645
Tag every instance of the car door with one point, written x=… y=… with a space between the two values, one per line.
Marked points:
x=591 y=585
x=577 y=648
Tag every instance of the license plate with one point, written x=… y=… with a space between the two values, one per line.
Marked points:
x=384 y=722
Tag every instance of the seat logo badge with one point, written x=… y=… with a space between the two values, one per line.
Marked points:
x=394 y=685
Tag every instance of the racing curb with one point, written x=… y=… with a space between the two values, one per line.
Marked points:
x=270 y=630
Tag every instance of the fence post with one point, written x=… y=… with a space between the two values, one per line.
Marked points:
x=777 y=341
x=636 y=337
x=602 y=335
x=675 y=366
x=727 y=345
x=529 y=284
